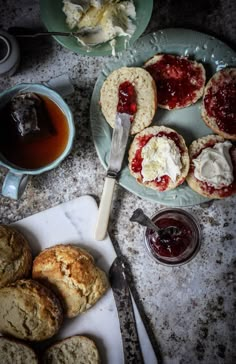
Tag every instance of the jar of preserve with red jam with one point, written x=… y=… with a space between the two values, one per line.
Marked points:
x=182 y=246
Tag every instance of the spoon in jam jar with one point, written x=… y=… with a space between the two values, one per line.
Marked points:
x=165 y=234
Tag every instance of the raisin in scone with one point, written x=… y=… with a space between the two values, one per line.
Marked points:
x=76 y=349
x=131 y=90
x=179 y=81
x=212 y=167
x=15 y=255
x=219 y=103
x=158 y=158
x=71 y=272
x=29 y=311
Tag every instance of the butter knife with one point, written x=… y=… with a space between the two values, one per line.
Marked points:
x=121 y=292
x=118 y=145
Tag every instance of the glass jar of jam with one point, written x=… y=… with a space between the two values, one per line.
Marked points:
x=182 y=246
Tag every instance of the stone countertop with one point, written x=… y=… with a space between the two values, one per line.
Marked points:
x=190 y=309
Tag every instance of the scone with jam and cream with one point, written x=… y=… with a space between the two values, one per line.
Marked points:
x=219 y=103
x=179 y=81
x=158 y=158
x=212 y=167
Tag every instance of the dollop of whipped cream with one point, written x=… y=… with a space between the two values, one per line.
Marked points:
x=214 y=165
x=101 y=21
x=161 y=157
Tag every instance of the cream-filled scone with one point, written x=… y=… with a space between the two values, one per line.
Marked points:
x=212 y=167
x=179 y=81
x=219 y=103
x=131 y=90
x=158 y=158
x=71 y=272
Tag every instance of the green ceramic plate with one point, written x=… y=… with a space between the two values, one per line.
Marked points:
x=54 y=19
x=212 y=53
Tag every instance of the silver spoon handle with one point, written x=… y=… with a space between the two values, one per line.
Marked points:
x=66 y=34
x=142 y=219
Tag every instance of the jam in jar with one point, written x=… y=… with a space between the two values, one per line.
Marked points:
x=182 y=246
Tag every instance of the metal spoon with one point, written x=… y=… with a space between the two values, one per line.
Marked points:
x=165 y=234
x=84 y=33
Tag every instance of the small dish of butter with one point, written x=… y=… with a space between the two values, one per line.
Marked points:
x=105 y=26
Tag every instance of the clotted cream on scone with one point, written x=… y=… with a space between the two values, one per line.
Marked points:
x=212 y=167
x=158 y=158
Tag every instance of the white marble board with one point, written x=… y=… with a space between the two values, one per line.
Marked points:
x=74 y=222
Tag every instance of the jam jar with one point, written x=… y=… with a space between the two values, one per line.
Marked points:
x=183 y=244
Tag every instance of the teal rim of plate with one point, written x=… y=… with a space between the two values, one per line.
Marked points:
x=213 y=53
x=54 y=20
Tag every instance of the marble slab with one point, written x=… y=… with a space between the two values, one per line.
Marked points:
x=74 y=222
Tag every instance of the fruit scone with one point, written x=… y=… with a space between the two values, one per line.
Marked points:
x=179 y=81
x=158 y=158
x=212 y=170
x=129 y=90
x=219 y=103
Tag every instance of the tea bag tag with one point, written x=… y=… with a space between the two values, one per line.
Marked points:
x=61 y=84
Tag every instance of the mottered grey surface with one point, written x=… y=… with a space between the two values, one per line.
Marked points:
x=190 y=309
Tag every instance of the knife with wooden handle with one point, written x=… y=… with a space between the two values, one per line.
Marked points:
x=118 y=145
x=121 y=292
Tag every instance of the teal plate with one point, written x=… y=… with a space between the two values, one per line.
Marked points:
x=212 y=53
x=54 y=19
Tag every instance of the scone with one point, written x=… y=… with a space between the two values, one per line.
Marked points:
x=15 y=255
x=131 y=90
x=158 y=158
x=71 y=272
x=219 y=103
x=212 y=167
x=16 y=352
x=179 y=81
x=29 y=311
x=73 y=350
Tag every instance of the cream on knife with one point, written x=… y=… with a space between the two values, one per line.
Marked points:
x=126 y=109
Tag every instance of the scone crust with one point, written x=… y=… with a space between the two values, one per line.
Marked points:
x=184 y=158
x=198 y=93
x=29 y=311
x=194 y=149
x=211 y=121
x=81 y=348
x=15 y=257
x=145 y=88
x=70 y=271
x=22 y=353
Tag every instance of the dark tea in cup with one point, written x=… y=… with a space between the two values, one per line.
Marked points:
x=33 y=130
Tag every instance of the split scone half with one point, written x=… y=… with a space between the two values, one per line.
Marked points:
x=72 y=274
x=179 y=81
x=212 y=167
x=219 y=103
x=75 y=349
x=158 y=158
x=135 y=90
x=15 y=351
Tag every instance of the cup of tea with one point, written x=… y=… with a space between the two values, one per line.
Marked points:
x=36 y=134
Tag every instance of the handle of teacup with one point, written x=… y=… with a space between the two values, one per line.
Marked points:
x=14 y=185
